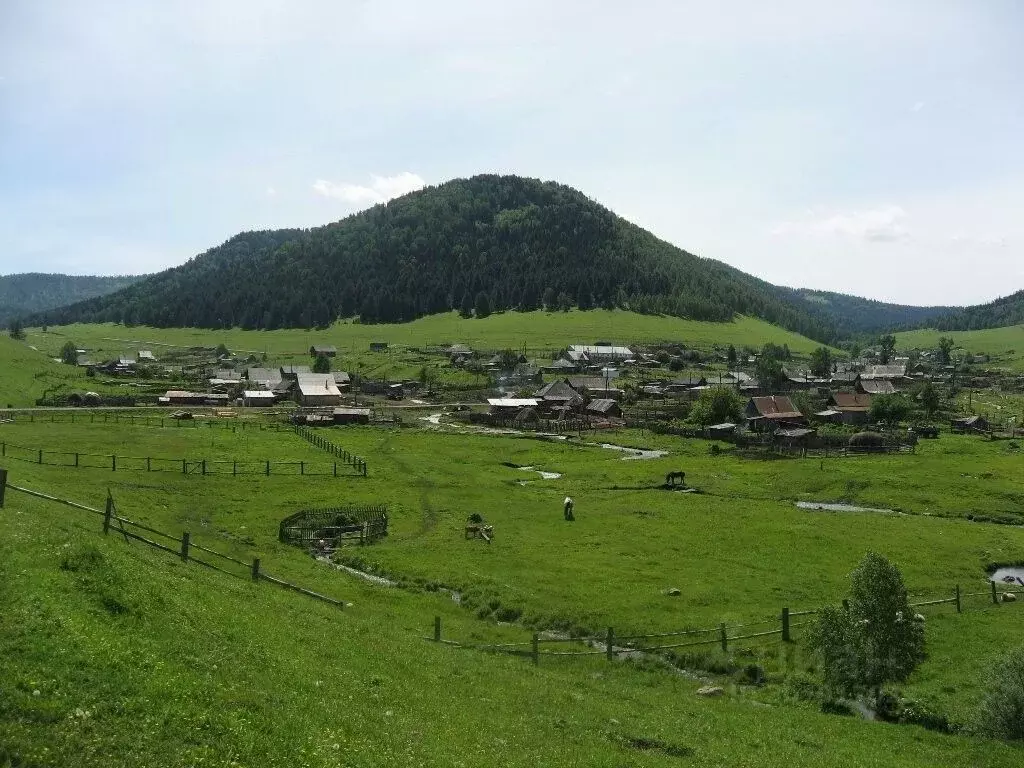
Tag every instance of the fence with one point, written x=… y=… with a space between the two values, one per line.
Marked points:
x=184 y=466
x=90 y=417
x=720 y=636
x=364 y=523
x=183 y=547
x=335 y=450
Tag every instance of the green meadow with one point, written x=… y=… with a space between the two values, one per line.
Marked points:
x=1004 y=345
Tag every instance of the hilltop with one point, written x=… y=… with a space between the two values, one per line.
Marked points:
x=35 y=292
x=1005 y=311
x=487 y=243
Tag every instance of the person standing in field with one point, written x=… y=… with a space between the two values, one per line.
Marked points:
x=567 y=511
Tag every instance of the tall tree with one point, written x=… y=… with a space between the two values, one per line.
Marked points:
x=69 y=353
x=886 y=348
x=716 y=405
x=821 y=362
x=730 y=357
x=929 y=398
x=769 y=374
x=322 y=364
x=945 y=349
x=16 y=330
x=483 y=305
x=877 y=640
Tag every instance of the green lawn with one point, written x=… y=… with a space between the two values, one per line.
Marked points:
x=1004 y=345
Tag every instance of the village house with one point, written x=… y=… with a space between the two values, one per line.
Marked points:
x=351 y=416
x=317 y=389
x=722 y=431
x=853 y=407
x=561 y=365
x=595 y=386
x=876 y=387
x=323 y=350
x=511 y=407
x=558 y=394
x=253 y=398
x=604 y=408
x=771 y=412
x=970 y=424
x=600 y=353
x=263 y=378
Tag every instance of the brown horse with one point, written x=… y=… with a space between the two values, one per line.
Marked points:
x=671 y=477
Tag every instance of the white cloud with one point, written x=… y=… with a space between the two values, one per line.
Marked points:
x=918 y=106
x=271 y=192
x=976 y=240
x=382 y=189
x=876 y=225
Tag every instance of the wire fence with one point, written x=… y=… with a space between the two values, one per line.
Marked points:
x=723 y=636
x=166 y=422
x=182 y=466
x=183 y=546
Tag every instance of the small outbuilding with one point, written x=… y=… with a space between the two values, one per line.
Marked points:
x=351 y=415
x=323 y=350
x=604 y=407
x=258 y=398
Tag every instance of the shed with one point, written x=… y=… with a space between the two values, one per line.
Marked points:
x=970 y=424
x=720 y=431
x=258 y=397
x=605 y=407
x=183 y=397
x=854 y=407
x=325 y=350
x=318 y=389
x=351 y=415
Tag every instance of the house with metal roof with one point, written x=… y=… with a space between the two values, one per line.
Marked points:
x=773 y=411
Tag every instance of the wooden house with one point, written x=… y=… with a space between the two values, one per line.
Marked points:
x=323 y=350
x=853 y=407
x=254 y=398
x=604 y=408
x=317 y=389
x=772 y=412
x=351 y=415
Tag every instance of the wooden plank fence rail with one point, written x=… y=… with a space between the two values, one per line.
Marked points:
x=115 y=523
x=201 y=467
x=321 y=442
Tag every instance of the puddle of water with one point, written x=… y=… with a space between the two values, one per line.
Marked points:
x=1014 y=576
x=434 y=418
x=634 y=453
x=544 y=475
x=841 y=507
x=378 y=580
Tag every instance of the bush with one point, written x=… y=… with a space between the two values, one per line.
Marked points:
x=867 y=441
x=1001 y=711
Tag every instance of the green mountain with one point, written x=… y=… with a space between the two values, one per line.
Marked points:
x=34 y=292
x=488 y=242
x=1008 y=310
x=857 y=315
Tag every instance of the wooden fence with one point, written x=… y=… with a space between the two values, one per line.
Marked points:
x=184 y=466
x=723 y=636
x=99 y=417
x=323 y=443
x=363 y=523
x=183 y=546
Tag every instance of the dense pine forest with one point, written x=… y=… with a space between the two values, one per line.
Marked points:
x=35 y=292
x=479 y=245
x=1008 y=310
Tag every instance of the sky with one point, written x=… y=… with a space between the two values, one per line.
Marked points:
x=871 y=147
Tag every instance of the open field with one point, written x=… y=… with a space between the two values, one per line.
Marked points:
x=1006 y=345
x=119 y=656
x=738 y=552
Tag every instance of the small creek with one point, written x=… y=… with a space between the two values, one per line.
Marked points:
x=1014 y=576
x=841 y=507
x=544 y=475
x=633 y=453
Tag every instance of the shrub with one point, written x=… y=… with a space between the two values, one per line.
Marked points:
x=867 y=441
x=1001 y=711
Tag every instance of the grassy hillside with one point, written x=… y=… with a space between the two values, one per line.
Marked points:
x=117 y=656
x=26 y=373
x=539 y=331
x=1005 y=345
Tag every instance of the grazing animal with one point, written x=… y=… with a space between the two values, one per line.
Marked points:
x=567 y=508
x=671 y=477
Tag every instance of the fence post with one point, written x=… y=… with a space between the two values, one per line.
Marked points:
x=183 y=469
x=785 y=625
x=958 y=606
x=536 y=649
x=234 y=467
x=302 y=467
x=184 y=547
x=364 y=469
x=40 y=455
x=995 y=598
x=108 y=513
x=255 y=569
x=3 y=486
x=609 y=645
x=725 y=639
x=268 y=468
x=204 y=467
x=113 y=463
x=76 y=459
x=335 y=469
x=147 y=464
x=437 y=629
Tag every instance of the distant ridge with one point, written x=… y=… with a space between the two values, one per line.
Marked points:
x=1008 y=310
x=31 y=292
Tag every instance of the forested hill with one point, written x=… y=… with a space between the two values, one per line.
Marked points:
x=1008 y=310
x=485 y=243
x=34 y=292
x=860 y=316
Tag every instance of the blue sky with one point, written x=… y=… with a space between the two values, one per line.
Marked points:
x=871 y=147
